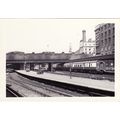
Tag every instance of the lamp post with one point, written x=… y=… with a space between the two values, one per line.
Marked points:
x=24 y=63
x=70 y=70
x=70 y=51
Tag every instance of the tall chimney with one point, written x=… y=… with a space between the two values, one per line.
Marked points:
x=84 y=35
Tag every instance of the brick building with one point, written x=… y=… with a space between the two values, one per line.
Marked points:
x=105 y=38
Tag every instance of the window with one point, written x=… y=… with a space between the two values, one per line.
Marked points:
x=83 y=64
x=105 y=41
x=109 y=39
x=113 y=30
x=113 y=37
x=111 y=64
x=101 y=28
x=106 y=34
x=89 y=64
x=113 y=41
x=101 y=35
x=108 y=25
x=105 y=27
x=101 y=42
x=109 y=32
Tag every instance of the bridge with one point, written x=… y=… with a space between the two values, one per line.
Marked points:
x=18 y=60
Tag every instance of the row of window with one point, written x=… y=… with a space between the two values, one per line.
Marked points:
x=82 y=64
x=107 y=42
x=106 y=33
x=106 y=52
x=106 y=26
x=87 y=64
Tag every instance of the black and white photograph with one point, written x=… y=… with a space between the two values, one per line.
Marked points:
x=60 y=57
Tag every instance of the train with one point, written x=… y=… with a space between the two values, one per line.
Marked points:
x=95 y=66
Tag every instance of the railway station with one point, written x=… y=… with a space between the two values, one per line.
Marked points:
x=89 y=71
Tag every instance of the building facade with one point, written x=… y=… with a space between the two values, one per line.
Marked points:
x=105 y=38
x=87 y=46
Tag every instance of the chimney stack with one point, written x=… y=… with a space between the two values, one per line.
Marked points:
x=84 y=35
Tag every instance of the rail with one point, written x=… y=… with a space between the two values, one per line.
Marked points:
x=76 y=88
x=13 y=92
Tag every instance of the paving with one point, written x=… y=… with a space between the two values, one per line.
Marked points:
x=109 y=77
x=97 y=84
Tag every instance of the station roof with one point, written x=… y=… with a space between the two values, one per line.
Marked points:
x=37 y=56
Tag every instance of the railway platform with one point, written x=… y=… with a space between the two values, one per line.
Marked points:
x=105 y=85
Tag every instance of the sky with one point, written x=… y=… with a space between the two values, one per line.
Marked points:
x=43 y=35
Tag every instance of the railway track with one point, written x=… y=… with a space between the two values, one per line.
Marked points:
x=79 y=89
x=48 y=88
x=12 y=93
x=41 y=88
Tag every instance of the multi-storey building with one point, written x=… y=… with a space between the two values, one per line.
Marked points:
x=105 y=38
x=86 y=46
